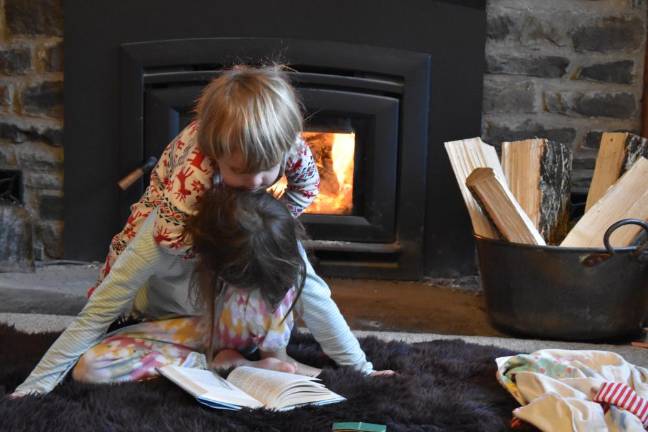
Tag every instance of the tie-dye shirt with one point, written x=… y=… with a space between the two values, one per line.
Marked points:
x=248 y=322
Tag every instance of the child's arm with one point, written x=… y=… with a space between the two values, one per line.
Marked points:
x=324 y=320
x=140 y=210
x=112 y=296
x=177 y=181
x=303 y=179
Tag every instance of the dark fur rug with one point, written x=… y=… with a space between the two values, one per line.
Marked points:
x=441 y=386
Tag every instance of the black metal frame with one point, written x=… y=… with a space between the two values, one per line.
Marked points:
x=383 y=91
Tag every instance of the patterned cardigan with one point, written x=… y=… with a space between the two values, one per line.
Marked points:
x=179 y=179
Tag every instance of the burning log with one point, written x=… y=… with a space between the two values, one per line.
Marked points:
x=321 y=144
x=334 y=155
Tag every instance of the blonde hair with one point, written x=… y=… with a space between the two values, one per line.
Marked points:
x=254 y=111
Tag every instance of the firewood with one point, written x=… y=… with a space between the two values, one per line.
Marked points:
x=538 y=172
x=499 y=204
x=465 y=156
x=618 y=151
x=628 y=198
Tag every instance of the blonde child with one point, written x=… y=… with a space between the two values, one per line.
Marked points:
x=246 y=135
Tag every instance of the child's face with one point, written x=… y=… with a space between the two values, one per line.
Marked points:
x=232 y=171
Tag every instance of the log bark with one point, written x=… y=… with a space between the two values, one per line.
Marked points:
x=539 y=175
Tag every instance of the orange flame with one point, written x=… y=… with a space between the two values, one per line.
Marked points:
x=334 y=156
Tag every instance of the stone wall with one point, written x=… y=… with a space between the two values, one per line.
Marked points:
x=565 y=70
x=31 y=107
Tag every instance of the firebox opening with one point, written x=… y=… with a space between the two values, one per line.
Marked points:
x=334 y=154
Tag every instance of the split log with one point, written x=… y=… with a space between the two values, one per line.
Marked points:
x=538 y=172
x=465 y=156
x=499 y=204
x=618 y=151
x=628 y=198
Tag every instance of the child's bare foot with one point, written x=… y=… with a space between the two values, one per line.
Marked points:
x=275 y=364
x=300 y=368
x=231 y=358
x=228 y=358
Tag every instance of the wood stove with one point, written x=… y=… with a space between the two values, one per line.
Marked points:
x=366 y=115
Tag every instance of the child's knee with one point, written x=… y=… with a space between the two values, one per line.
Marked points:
x=82 y=371
x=92 y=367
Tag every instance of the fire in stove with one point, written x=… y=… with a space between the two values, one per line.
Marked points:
x=334 y=155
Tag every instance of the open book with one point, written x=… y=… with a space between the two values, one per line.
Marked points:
x=251 y=387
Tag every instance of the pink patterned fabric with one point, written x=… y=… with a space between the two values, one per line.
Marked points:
x=182 y=174
x=248 y=322
x=135 y=352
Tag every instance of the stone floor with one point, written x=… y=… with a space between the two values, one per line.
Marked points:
x=411 y=311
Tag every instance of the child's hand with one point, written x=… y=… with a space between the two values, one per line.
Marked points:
x=381 y=373
x=17 y=395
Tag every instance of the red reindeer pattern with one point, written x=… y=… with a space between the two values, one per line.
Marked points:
x=197 y=187
x=182 y=193
x=162 y=235
x=197 y=160
x=194 y=173
x=134 y=216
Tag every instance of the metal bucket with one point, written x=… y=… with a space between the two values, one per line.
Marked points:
x=565 y=293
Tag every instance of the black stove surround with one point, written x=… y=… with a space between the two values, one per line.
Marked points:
x=381 y=93
x=403 y=76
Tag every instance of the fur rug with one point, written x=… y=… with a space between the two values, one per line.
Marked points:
x=442 y=386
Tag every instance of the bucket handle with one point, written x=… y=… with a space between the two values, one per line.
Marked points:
x=606 y=237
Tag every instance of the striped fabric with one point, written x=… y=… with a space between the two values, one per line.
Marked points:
x=623 y=396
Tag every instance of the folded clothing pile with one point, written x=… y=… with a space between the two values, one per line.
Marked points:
x=563 y=390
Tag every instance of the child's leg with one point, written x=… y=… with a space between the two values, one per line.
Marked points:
x=133 y=353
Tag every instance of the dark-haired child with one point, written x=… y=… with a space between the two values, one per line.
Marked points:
x=249 y=274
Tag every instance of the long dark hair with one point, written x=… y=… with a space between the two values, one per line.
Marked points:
x=249 y=240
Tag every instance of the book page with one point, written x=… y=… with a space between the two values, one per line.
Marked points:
x=314 y=393
x=280 y=389
x=208 y=386
x=263 y=384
